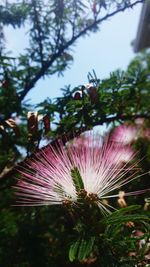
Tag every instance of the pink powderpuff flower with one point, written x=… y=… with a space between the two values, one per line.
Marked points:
x=124 y=134
x=59 y=175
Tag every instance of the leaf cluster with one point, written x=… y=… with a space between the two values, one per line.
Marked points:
x=113 y=242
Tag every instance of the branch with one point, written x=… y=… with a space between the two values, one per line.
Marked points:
x=49 y=63
x=121 y=118
x=75 y=133
x=39 y=31
x=5 y=172
x=10 y=172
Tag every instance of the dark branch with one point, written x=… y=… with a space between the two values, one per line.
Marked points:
x=55 y=56
x=39 y=32
x=7 y=173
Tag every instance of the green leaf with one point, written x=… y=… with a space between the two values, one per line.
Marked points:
x=73 y=250
x=81 y=249
x=124 y=211
x=124 y=215
x=85 y=248
x=123 y=219
x=77 y=179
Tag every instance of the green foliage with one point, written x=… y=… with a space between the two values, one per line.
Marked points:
x=113 y=239
x=112 y=95
x=14 y=14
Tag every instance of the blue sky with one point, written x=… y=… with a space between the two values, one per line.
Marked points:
x=104 y=51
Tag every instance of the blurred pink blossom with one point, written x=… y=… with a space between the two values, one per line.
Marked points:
x=124 y=134
x=139 y=121
x=147 y=133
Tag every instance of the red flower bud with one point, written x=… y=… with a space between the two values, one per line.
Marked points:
x=77 y=96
